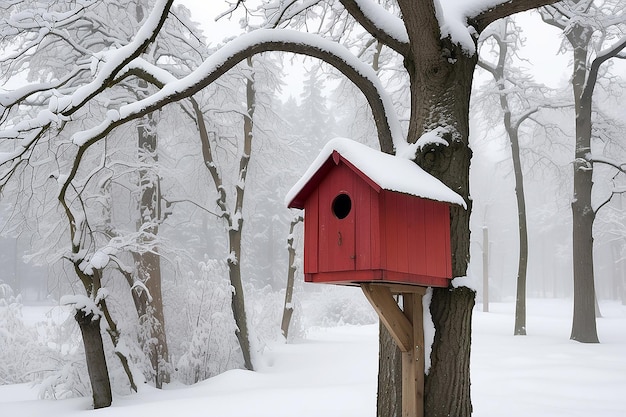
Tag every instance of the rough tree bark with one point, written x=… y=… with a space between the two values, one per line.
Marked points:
x=291 y=273
x=580 y=33
x=584 y=319
x=149 y=299
x=149 y=303
x=94 y=354
x=511 y=128
x=389 y=402
x=95 y=357
x=236 y=228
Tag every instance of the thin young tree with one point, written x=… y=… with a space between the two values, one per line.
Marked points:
x=291 y=277
x=595 y=33
x=520 y=98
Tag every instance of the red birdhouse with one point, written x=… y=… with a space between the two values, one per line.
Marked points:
x=373 y=217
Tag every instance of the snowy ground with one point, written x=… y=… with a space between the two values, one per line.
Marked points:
x=333 y=374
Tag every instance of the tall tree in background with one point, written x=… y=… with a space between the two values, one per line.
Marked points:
x=519 y=98
x=316 y=121
x=504 y=35
x=148 y=298
x=595 y=32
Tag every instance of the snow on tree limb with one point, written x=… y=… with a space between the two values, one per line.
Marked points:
x=385 y=27
x=620 y=166
x=601 y=57
x=247 y=45
x=111 y=62
x=82 y=303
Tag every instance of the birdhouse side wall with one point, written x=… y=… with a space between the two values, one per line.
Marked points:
x=416 y=235
x=368 y=230
x=311 y=233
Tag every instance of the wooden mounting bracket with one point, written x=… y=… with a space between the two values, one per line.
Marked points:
x=407 y=329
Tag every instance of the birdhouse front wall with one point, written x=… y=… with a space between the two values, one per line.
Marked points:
x=339 y=234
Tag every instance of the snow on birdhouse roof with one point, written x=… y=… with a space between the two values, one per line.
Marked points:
x=386 y=171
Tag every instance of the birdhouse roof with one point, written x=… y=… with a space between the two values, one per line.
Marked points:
x=380 y=170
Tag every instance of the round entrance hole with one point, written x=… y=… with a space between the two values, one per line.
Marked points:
x=342 y=206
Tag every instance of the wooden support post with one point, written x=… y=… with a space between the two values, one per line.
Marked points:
x=407 y=329
x=413 y=360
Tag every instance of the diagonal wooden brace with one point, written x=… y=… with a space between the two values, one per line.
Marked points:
x=390 y=314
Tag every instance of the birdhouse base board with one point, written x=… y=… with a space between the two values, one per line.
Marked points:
x=353 y=278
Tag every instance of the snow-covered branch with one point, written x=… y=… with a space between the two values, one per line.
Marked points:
x=602 y=56
x=384 y=26
x=250 y=44
x=482 y=13
x=620 y=166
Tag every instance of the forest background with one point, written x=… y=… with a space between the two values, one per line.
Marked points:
x=289 y=131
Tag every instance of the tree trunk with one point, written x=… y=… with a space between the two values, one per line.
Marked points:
x=583 y=215
x=291 y=272
x=236 y=227
x=512 y=132
x=96 y=361
x=441 y=98
x=149 y=307
x=449 y=377
x=238 y=304
x=389 y=402
x=522 y=265
x=148 y=263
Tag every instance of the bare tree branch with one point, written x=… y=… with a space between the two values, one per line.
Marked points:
x=393 y=34
x=483 y=19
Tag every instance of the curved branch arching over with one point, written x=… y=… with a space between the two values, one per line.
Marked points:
x=264 y=40
x=389 y=31
x=503 y=9
x=247 y=45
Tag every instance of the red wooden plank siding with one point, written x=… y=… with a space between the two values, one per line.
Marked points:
x=346 y=252
x=390 y=241
x=324 y=260
x=311 y=233
x=432 y=242
x=337 y=236
x=417 y=244
x=363 y=225
x=379 y=246
x=447 y=244
x=445 y=236
x=402 y=223
x=438 y=231
x=375 y=226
